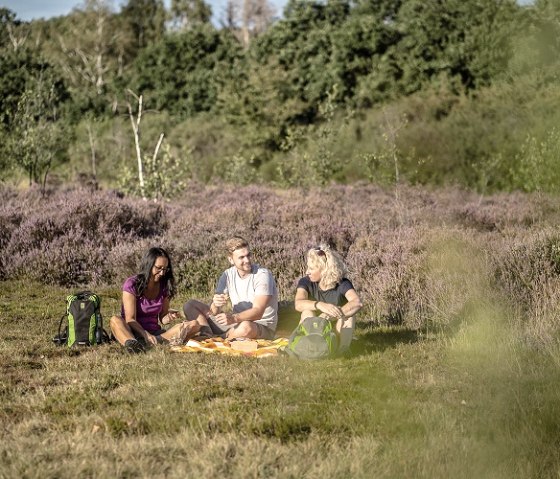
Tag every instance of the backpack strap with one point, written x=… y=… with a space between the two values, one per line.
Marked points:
x=58 y=338
x=101 y=335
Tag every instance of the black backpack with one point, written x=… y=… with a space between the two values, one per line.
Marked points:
x=314 y=338
x=84 y=326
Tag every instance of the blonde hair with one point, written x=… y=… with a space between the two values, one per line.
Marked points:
x=330 y=263
x=235 y=243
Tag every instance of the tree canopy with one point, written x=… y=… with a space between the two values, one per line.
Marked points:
x=267 y=82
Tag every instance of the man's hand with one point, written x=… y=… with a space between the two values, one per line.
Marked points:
x=224 y=318
x=171 y=316
x=220 y=300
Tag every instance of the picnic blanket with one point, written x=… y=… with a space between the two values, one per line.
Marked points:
x=259 y=348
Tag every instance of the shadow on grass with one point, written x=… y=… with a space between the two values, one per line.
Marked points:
x=288 y=319
x=368 y=338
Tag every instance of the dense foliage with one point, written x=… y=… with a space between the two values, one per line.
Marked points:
x=436 y=92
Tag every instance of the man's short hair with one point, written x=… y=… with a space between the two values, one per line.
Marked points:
x=235 y=243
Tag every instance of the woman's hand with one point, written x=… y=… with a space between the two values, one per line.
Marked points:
x=330 y=310
x=150 y=339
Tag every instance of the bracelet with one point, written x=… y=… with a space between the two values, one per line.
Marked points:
x=315 y=305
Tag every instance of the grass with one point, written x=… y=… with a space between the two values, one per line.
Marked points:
x=468 y=402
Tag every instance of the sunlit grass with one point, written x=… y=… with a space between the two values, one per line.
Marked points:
x=471 y=401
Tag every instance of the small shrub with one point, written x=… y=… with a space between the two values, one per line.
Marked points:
x=536 y=166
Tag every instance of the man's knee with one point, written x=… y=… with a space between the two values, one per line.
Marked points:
x=192 y=308
x=246 y=329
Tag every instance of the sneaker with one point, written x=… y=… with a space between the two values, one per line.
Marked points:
x=133 y=346
x=206 y=332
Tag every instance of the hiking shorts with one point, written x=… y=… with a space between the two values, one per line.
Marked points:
x=262 y=331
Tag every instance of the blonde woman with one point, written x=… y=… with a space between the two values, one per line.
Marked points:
x=325 y=291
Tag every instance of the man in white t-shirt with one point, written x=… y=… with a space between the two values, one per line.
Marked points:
x=253 y=295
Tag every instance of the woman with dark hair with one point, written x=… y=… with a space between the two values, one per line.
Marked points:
x=145 y=304
x=326 y=291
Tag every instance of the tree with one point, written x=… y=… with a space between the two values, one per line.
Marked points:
x=302 y=44
x=91 y=50
x=189 y=13
x=145 y=19
x=38 y=137
x=31 y=95
x=468 y=40
x=180 y=73
x=262 y=101
x=545 y=27
x=248 y=19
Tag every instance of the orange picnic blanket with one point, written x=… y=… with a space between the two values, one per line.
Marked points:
x=259 y=348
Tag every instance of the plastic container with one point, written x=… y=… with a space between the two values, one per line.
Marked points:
x=245 y=345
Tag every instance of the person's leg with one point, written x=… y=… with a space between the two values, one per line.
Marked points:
x=245 y=329
x=183 y=331
x=264 y=332
x=124 y=335
x=200 y=312
x=196 y=311
x=306 y=314
x=345 y=330
x=121 y=331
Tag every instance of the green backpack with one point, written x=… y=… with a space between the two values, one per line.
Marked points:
x=84 y=321
x=314 y=338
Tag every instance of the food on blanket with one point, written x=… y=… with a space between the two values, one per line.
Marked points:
x=246 y=345
x=260 y=348
x=199 y=346
x=265 y=352
x=230 y=352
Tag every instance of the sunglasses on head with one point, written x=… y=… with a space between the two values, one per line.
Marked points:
x=319 y=251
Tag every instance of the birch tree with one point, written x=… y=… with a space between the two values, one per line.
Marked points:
x=91 y=51
x=248 y=18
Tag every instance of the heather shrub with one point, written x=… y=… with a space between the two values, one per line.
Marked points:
x=420 y=258
x=64 y=260
x=457 y=277
x=386 y=267
x=67 y=237
x=123 y=258
x=528 y=272
x=499 y=212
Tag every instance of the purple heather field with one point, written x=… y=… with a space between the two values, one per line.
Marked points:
x=426 y=256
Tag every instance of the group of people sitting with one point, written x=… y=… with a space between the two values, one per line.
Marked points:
x=323 y=291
